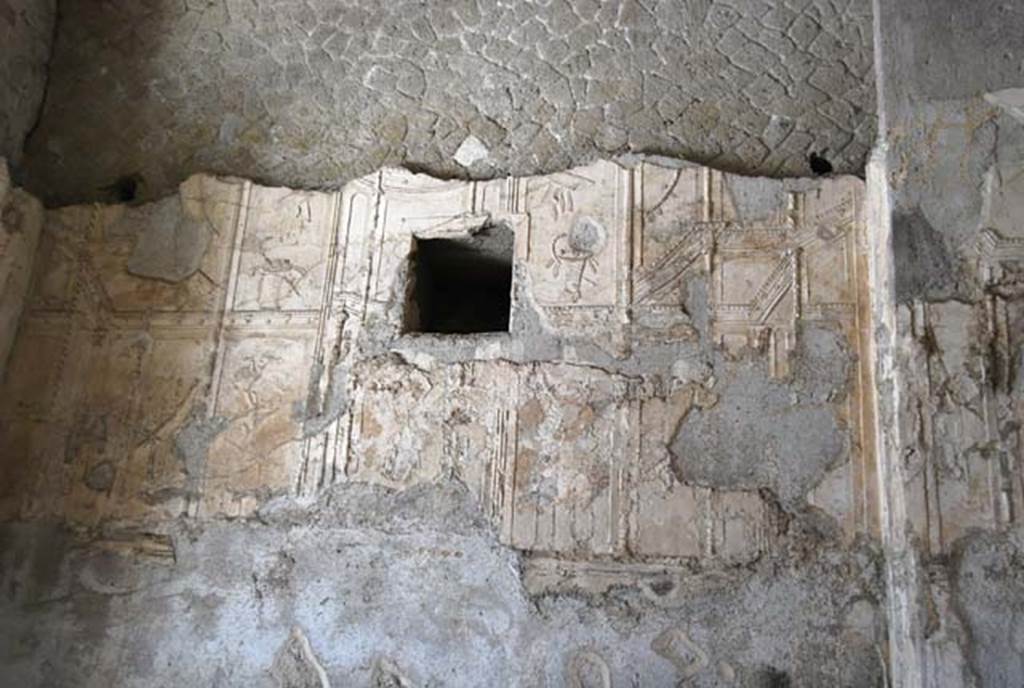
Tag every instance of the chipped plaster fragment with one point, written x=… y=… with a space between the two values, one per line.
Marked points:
x=1009 y=99
x=587 y=668
x=687 y=657
x=297 y=666
x=170 y=245
x=157 y=547
x=387 y=674
x=471 y=151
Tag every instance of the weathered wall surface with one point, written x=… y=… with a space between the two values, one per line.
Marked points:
x=951 y=74
x=410 y=589
x=26 y=35
x=21 y=220
x=667 y=455
x=308 y=93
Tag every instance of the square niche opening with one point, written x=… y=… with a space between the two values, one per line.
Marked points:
x=461 y=285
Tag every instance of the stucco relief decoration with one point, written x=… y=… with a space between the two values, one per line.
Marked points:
x=272 y=355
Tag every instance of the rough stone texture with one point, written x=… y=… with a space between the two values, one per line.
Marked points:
x=949 y=74
x=262 y=444
x=307 y=93
x=26 y=35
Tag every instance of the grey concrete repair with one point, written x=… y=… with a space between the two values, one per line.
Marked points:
x=410 y=588
x=988 y=591
x=712 y=446
x=172 y=256
x=307 y=93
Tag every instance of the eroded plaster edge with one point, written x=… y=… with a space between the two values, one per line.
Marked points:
x=901 y=570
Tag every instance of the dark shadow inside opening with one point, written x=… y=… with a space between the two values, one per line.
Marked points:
x=463 y=285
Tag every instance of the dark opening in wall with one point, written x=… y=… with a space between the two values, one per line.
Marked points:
x=463 y=285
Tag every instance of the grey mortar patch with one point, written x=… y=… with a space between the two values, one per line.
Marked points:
x=822 y=365
x=924 y=267
x=192 y=443
x=767 y=433
x=697 y=305
x=755 y=198
x=528 y=323
x=317 y=415
x=386 y=674
x=170 y=245
x=988 y=595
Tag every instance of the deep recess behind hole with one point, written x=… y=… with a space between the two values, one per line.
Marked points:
x=463 y=285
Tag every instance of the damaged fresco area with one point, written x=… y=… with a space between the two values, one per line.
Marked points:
x=674 y=404
x=961 y=412
x=951 y=101
x=238 y=342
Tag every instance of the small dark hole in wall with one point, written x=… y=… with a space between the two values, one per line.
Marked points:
x=463 y=285
x=774 y=678
x=819 y=165
x=125 y=189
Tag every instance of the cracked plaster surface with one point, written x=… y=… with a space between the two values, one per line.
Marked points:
x=314 y=93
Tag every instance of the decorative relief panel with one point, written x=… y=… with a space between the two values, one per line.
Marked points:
x=264 y=352
x=965 y=366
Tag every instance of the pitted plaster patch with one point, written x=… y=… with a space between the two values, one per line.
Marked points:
x=170 y=245
x=296 y=665
x=192 y=444
x=768 y=433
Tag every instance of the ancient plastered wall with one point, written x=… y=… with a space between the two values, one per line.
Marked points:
x=26 y=34
x=207 y=352
x=954 y=137
x=21 y=219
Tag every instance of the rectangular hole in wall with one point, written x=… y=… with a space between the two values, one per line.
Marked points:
x=461 y=285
